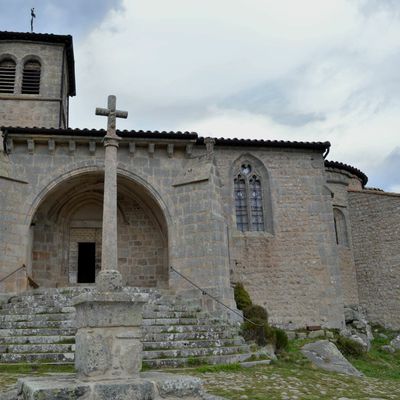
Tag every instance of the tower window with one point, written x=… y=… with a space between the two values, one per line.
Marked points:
x=7 y=76
x=31 y=78
x=248 y=200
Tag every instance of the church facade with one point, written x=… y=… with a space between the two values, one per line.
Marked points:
x=303 y=234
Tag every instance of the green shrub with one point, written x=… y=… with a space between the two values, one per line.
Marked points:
x=282 y=341
x=270 y=334
x=349 y=347
x=255 y=331
x=256 y=312
x=255 y=327
x=242 y=298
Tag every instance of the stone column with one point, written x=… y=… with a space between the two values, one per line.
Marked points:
x=109 y=277
x=108 y=320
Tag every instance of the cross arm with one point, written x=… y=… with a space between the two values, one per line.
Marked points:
x=121 y=114
x=102 y=111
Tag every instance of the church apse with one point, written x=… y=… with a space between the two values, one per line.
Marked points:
x=66 y=235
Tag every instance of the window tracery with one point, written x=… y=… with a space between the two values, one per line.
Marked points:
x=248 y=200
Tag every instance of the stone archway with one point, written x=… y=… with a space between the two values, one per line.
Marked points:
x=71 y=214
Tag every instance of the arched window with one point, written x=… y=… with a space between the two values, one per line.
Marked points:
x=340 y=227
x=31 y=77
x=7 y=76
x=248 y=200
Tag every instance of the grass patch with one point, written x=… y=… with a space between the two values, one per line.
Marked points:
x=220 y=368
x=145 y=368
x=24 y=369
x=193 y=361
x=378 y=363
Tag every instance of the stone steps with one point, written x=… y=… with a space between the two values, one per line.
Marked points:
x=176 y=321
x=8 y=309
x=169 y=314
x=38 y=348
x=37 y=357
x=192 y=361
x=35 y=317
x=192 y=352
x=188 y=344
x=45 y=339
x=193 y=335
x=183 y=328
x=41 y=323
x=37 y=331
x=38 y=327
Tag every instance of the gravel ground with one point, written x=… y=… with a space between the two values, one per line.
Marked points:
x=271 y=382
x=278 y=383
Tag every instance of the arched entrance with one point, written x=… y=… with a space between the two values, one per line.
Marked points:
x=66 y=234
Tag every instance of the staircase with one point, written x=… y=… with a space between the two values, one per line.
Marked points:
x=38 y=327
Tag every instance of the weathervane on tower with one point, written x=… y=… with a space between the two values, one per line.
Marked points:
x=33 y=15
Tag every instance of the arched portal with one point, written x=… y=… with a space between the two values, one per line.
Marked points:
x=67 y=228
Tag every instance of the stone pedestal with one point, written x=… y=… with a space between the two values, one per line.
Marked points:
x=148 y=386
x=108 y=339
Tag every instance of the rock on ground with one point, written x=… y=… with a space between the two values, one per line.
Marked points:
x=325 y=355
x=395 y=343
x=388 y=349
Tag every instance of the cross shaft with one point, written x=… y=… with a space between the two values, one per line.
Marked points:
x=109 y=277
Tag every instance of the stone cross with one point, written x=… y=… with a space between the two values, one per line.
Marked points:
x=109 y=278
x=112 y=113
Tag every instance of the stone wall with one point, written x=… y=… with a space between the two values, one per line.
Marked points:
x=186 y=208
x=292 y=269
x=375 y=224
x=339 y=182
x=42 y=110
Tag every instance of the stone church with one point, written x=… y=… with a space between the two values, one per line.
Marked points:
x=304 y=235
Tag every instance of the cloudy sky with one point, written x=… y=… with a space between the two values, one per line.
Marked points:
x=309 y=70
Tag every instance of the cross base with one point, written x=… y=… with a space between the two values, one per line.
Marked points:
x=109 y=280
x=147 y=386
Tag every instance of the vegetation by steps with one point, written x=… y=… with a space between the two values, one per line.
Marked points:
x=256 y=327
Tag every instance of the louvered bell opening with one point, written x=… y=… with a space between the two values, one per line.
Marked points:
x=31 y=78
x=7 y=76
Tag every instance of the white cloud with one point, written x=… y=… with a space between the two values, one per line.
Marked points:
x=185 y=64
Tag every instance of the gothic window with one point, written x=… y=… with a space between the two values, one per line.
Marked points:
x=7 y=76
x=340 y=227
x=248 y=200
x=31 y=77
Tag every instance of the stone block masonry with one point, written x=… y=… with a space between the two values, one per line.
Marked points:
x=49 y=107
x=179 y=210
x=375 y=224
x=292 y=270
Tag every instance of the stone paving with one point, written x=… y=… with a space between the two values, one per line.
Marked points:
x=269 y=382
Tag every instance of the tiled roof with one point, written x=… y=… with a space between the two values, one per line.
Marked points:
x=100 y=133
x=321 y=146
x=348 y=168
x=49 y=38
x=269 y=143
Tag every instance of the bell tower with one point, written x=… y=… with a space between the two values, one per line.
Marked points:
x=37 y=77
